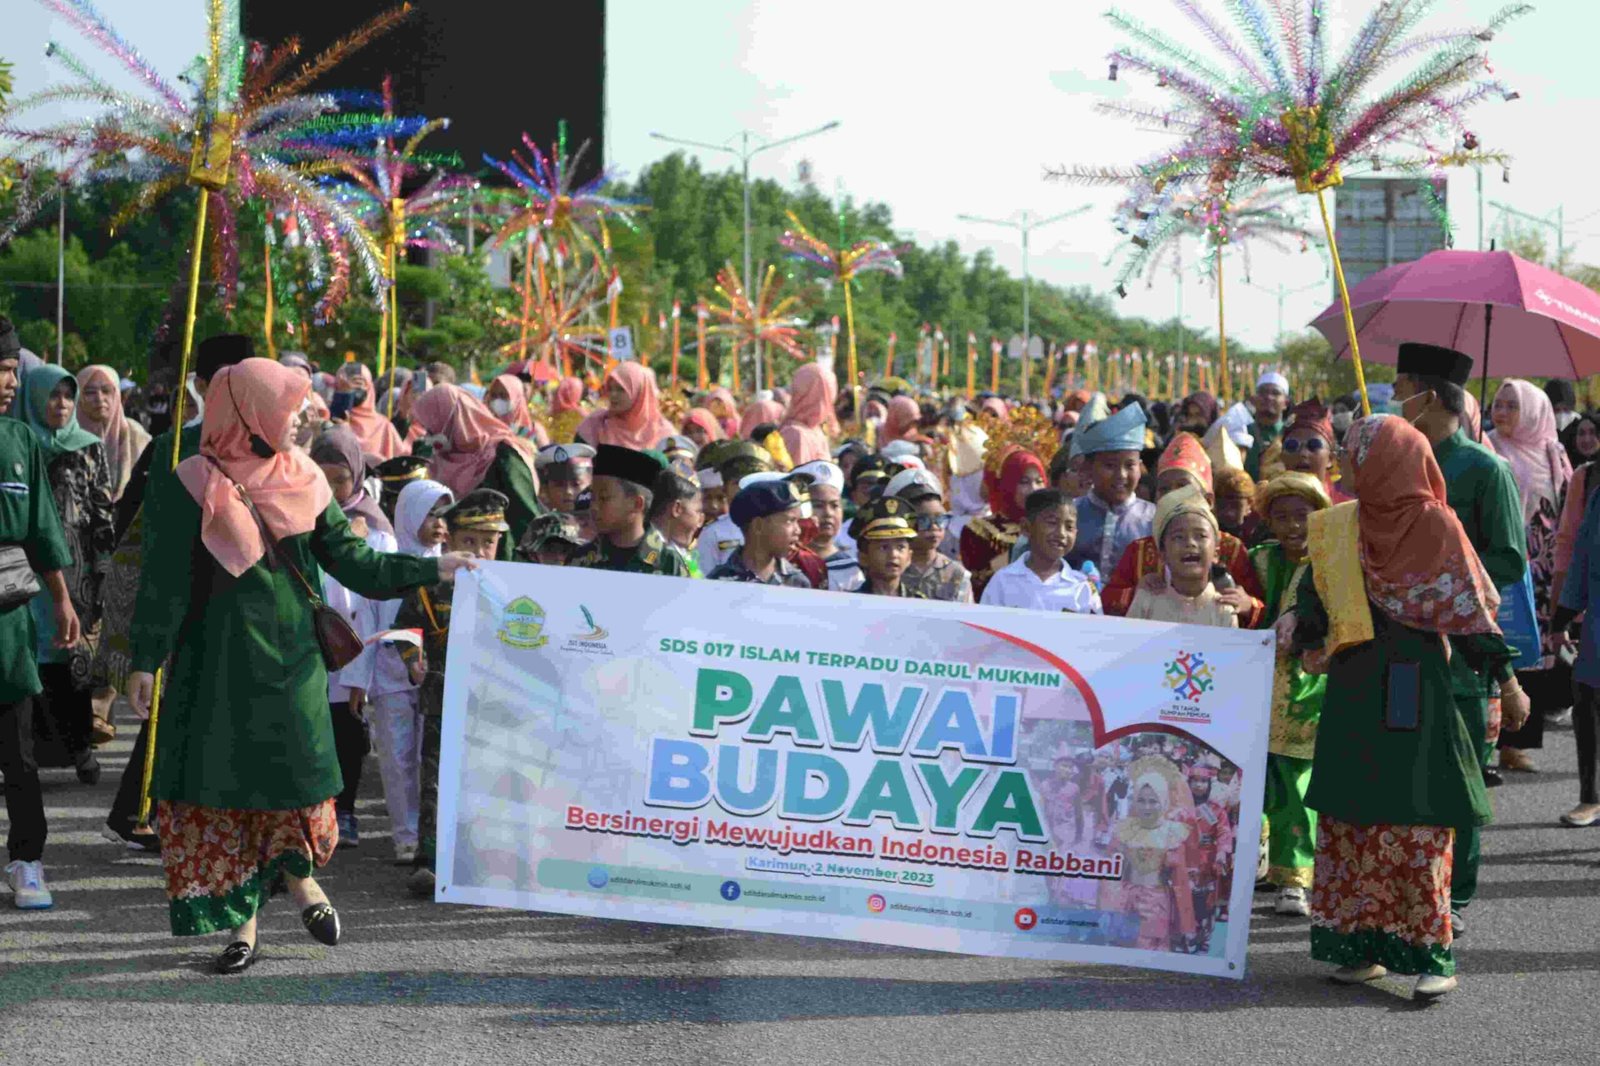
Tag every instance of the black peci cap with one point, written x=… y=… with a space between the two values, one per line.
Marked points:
x=639 y=467
x=1434 y=361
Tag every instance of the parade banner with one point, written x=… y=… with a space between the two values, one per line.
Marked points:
x=896 y=771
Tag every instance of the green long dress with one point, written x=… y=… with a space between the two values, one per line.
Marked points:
x=1481 y=491
x=245 y=763
x=511 y=474
x=1388 y=799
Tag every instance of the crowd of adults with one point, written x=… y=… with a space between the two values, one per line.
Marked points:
x=265 y=558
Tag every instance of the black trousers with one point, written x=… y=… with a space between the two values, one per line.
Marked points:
x=1586 y=727
x=68 y=711
x=351 y=746
x=125 y=807
x=24 y=801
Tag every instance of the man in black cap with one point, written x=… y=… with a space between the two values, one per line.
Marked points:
x=147 y=478
x=1430 y=388
x=767 y=512
x=624 y=480
x=883 y=532
x=393 y=477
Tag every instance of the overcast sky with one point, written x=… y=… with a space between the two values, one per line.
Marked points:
x=951 y=107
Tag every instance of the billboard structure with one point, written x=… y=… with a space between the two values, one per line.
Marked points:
x=1384 y=221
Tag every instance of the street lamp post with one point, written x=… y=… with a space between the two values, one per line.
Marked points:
x=1283 y=292
x=745 y=152
x=1559 y=225
x=1025 y=227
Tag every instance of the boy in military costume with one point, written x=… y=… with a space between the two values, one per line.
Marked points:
x=476 y=524
x=624 y=480
x=884 y=531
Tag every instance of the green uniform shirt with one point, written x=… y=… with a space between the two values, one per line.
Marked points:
x=690 y=563
x=27 y=517
x=511 y=474
x=244 y=709
x=1483 y=494
x=650 y=556
x=1262 y=438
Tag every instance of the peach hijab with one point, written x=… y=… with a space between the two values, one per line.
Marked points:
x=641 y=426
x=260 y=397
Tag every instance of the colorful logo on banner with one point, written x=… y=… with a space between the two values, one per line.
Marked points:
x=522 y=624
x=1189 y=676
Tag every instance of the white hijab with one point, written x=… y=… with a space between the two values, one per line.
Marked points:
x=411 y=510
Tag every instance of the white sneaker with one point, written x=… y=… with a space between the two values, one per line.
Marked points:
x=1292 y=902
x=1432 y=986
x=1359 y=975
x=28 y=891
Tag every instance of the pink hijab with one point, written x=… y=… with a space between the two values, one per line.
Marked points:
x=641 y=425
x=519 y=418
x=901 y=422
x=760 y=413
x=728 y=414
x=569 y=397
x=376 y=433
x=472 y=436
x=1533 y=448
x=263 y=397
x=810 y=415
x=699 y=416
x=122 y=439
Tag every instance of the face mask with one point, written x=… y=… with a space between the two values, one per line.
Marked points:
x=499 y=406
x=199 y=403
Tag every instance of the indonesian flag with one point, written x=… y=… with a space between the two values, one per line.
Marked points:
x=1072 y=348
x=972 y=338
x=397 y=636
x=701 y=312
x=676 y=309
x=614 y=289
x=1090 y=348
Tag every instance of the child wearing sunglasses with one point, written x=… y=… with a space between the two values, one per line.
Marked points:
x=1308 y=445
x=936 y=576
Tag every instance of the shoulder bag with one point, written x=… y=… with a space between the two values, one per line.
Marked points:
x=336 y=638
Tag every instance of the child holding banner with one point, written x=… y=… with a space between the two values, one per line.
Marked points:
x=475 y=526
x=1187 y=532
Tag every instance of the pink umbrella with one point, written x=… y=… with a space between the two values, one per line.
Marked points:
x=1542 y=324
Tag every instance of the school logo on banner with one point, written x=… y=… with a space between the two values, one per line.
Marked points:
x=522 y=624
x=592 y=641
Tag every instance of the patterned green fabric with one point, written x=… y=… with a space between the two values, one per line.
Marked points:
x=1368 y=946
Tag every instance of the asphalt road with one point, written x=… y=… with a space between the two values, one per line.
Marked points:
x=99 y=980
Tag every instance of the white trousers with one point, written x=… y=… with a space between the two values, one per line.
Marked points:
x=397 y=738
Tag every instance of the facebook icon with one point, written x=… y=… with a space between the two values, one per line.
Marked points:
x=730 y=890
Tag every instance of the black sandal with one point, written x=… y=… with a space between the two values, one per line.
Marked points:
x=237 y=957
x=322 y=922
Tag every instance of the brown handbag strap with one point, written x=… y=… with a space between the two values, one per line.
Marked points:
x=278 y=557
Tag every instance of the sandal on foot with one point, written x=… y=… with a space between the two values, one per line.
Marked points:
x=1359 y=975
x=322 y=922
x=1431 y=986
x=237 y=957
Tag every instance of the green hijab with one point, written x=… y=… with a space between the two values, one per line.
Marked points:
x=38 y=384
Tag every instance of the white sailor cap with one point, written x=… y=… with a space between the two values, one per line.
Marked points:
x=822 y=472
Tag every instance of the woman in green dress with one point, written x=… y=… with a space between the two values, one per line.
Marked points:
x=245 y=769
x=472 y=449
x=1395 y=773
x=80 y=483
